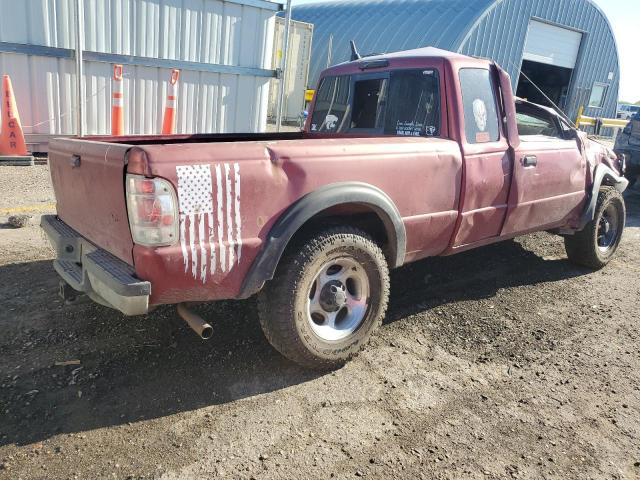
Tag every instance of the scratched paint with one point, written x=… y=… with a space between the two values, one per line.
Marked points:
x=210 y=218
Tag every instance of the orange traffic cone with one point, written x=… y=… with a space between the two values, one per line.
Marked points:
x=117 y=104
x=13 y=148
x=169 y=120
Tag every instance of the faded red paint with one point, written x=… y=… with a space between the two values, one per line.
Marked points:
x=451 y=195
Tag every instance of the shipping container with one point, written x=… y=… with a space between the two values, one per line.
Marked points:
x=222 y=47
x=298 y=60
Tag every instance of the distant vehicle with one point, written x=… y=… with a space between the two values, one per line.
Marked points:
x=625 y=112
x=628 y=143
x=403 y=156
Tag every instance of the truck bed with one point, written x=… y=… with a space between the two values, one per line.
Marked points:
x=195 y=138
x=88 y=180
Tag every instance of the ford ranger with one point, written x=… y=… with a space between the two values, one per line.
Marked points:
x=404 y=156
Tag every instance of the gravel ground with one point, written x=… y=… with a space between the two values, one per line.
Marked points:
x=504 y=362
x=22 y=187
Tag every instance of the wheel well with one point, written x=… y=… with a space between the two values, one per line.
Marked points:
x=349 y=203
x=361 y=216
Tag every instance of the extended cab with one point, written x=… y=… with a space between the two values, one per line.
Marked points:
x=404 y=156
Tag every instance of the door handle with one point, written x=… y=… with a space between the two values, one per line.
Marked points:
x=530 y=161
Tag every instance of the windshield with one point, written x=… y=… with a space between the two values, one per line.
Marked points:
x=402 y=102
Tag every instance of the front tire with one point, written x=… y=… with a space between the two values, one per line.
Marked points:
x=595 y=245
x=329 y=294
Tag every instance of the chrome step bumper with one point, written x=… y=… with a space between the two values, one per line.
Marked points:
x=86 y=268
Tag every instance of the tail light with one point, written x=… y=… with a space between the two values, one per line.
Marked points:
x=153 y=211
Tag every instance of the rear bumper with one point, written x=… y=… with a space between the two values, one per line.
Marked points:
x=86 y=268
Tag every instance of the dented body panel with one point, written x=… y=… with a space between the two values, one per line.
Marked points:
x=242 y=197
x=272 y=179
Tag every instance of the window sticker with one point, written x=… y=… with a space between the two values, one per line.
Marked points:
x=480 y=116
x=330 y=122
x=409 y=129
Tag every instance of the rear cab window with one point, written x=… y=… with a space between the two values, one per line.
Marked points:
x=399 y=103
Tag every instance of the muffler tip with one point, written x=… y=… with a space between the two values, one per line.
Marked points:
x=207 y=332
x=195 y=321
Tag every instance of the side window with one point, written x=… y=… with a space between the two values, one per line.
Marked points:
x=414 y=104
x=368 y=103
x=332 y=104
x=479 y=101
x=598 y=95
x=532 y=122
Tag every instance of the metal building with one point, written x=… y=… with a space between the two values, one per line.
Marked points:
x=222 y=47
x=566 y=47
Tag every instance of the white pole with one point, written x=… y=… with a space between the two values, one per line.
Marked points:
x=283 y=68
x=330 y=52
x=80 y=96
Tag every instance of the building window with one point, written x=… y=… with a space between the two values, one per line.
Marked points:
x=598 y=95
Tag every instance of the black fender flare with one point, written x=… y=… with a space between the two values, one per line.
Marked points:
x=264 y=266
x=603 y=175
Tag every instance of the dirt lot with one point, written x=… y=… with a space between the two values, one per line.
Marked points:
x=507 y=362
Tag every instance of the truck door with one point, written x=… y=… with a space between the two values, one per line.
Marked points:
x=487 y=162
x=549 y=173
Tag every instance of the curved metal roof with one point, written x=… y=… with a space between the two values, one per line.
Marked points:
x=495 y=29
x=380 y=26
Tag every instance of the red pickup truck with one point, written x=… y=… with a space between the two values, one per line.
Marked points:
x=404 y=156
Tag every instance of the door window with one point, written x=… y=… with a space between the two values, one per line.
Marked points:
x=479 y=102
x=532 y=121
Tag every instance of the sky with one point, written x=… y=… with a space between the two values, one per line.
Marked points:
x=624 y=16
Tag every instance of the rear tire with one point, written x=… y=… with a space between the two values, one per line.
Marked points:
x=329 y=294
x=595 y=245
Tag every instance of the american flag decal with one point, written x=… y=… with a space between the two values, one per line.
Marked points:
x=210 y=218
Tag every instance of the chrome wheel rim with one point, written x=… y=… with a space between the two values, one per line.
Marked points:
x=338 y=299
x=608 y=228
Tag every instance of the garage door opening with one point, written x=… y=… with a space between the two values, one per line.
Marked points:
x=553 y=80
x=549 y=57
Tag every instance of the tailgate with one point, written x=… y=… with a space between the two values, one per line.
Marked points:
x=88 y=180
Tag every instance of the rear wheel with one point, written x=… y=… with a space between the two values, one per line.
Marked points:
x=596 y=244
x=329 y=294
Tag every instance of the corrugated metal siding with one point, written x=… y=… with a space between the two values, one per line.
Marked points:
x=598 y=54
x=385 y=26
x=494 y=29
x=203 y=31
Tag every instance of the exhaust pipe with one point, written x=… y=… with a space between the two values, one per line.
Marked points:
x=195 y=321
